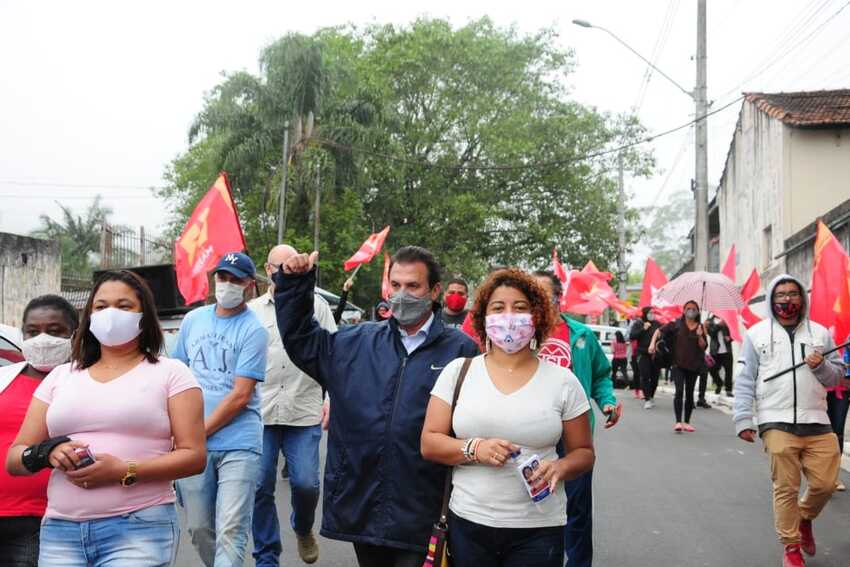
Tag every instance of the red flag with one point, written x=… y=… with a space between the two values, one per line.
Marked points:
x=558 y=267
x=590 y=268
x=751 y=287
x=730 y=316
x=829 y=284
x=385 y=280
x=212 y=231
x=368 y=250
x=586 y=294
x=653 y=280
x=729 y=267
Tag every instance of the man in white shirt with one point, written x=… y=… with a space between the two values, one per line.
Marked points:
x=293 y=412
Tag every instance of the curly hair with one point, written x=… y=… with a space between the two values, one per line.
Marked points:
x=541 y=308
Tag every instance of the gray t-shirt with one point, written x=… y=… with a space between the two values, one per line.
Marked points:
x=532 y=417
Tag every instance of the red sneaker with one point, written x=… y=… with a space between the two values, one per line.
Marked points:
x=793 y=557
x=688 y=427
x=677 y=428
x=807 y=537
x=640 y=394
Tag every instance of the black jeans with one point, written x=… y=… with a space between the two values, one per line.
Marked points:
x=474 y=545
x=837 y=410
x=635 y=374
x=621 y=365
x=380 y=556
x=724 y=362
x=684 y=381
x=19 y=541
x=703 y=385
x=648 y=375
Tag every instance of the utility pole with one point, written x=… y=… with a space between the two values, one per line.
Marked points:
x=621 y=230
x=316 y=217
x=701 y=130
x=281 y=213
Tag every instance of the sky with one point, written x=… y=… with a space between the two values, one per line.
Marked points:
x=97 y=97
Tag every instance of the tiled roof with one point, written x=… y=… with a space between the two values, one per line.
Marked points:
x=805 y=109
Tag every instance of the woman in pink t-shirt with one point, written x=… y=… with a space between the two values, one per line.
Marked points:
x=118 y=425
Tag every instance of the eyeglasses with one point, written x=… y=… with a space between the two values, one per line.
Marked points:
x=788 y=295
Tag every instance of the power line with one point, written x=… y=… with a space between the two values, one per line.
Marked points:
x=27 y=183
x=525 y=166
x=789 y=50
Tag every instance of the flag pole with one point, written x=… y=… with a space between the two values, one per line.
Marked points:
x=798 y=365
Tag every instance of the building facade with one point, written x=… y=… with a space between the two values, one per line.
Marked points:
x=29 y=267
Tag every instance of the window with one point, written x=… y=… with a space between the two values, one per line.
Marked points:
x=767 y=247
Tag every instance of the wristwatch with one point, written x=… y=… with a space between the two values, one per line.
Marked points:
x=129 y=478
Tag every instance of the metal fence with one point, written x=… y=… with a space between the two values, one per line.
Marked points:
x=121 y=247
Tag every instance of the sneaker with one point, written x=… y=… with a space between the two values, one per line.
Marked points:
x=730 y=395
x=640 y=394
x=703 y=404
x=636 y=394
x=807 y=537
x=839 y=486
x=688 y=427
x=793 y=557
x=717 y=392
x=678 y=428
x=308 y=547
x=649 y=404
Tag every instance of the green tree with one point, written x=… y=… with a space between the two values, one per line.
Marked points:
x=78 y=236
x=412 y=126
x=666 y=232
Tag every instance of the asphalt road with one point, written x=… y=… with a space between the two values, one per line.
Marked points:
x=664 y=500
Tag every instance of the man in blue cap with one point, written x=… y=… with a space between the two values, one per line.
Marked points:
x=225 y=346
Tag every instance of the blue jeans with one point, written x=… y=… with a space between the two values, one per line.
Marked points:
x=578 y=537
x=300 y=446
x=218 y=504
x=837 y=408
x=474 y=544
x=145 y=538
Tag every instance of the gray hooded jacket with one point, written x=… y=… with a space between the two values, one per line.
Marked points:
x=797 y=397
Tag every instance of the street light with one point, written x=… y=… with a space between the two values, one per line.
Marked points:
x=586 y=24
x=698 y=95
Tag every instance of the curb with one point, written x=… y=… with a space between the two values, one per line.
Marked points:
x=725 y=405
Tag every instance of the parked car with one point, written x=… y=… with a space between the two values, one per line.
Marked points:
x=605 y=335
x=10 y=345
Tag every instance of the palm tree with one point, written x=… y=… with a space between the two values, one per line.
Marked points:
x=78 y=235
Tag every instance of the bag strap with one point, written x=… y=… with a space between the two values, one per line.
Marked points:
x=447 y=490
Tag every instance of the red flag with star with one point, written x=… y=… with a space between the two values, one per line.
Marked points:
x=212 y=231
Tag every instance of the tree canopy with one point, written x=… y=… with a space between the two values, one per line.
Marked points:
x=465 y=140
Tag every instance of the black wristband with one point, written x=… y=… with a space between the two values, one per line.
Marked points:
x=35 y=457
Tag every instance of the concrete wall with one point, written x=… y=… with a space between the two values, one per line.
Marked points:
x=750 y=196
x=818 y=175
x=29 y=267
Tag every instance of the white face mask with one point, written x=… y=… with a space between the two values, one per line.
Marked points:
x=229 y=295
x=45 y=352
x=113 y=327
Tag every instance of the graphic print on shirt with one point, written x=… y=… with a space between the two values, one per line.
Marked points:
x=212 y=359
x=556 y=351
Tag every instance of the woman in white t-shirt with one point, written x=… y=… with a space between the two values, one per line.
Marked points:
x=118 y=425
x=509 y=403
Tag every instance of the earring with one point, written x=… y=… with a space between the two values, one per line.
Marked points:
x=533 y=344
x=488 y=344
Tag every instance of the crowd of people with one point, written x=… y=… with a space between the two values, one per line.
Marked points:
x=495 y=389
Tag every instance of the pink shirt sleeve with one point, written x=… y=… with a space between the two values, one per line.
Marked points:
x=180 y=378
x=47 y=388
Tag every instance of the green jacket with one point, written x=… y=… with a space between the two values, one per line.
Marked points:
x=591 y=366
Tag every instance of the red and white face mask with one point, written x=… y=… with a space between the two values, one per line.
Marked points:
x=511 y=332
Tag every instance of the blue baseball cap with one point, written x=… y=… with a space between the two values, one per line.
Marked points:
x=238 y=264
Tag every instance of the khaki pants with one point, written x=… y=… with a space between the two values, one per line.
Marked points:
x=818 y=459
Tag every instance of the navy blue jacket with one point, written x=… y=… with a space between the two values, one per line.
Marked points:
x=378 y=489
